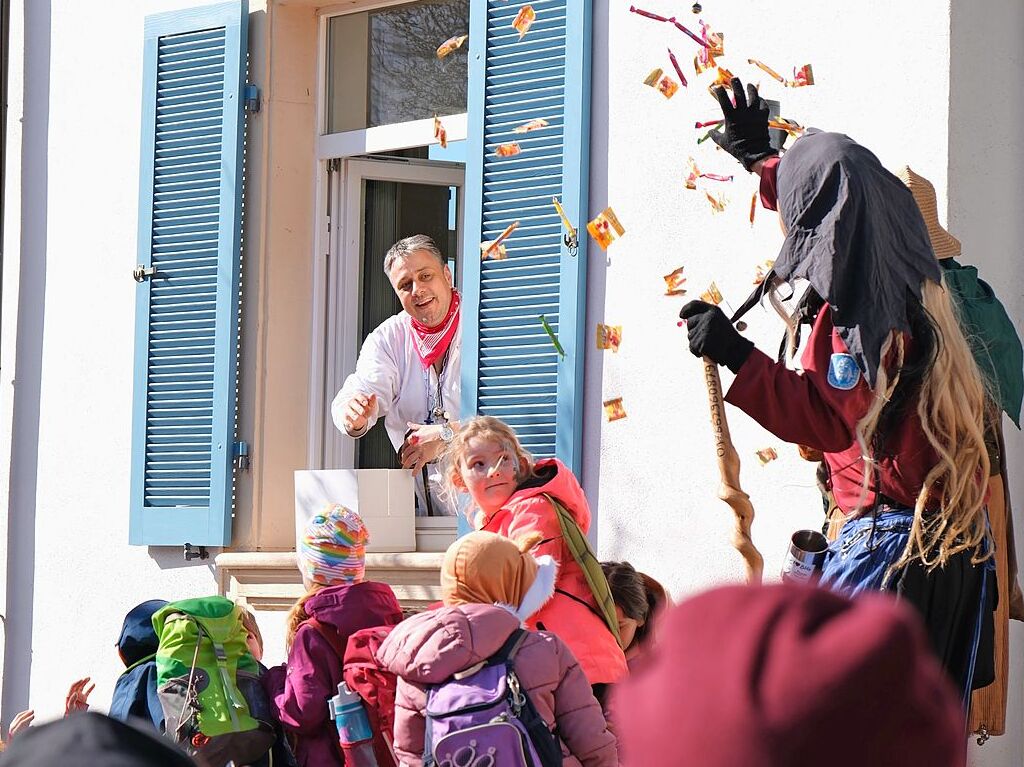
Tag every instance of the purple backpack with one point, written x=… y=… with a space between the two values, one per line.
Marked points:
x=482 y=717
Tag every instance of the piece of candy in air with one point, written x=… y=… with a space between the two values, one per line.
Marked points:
x=718 y=201
x=700 y=41
x=675 y=65
x=762 y=270
x=802 y=76
x=440 y=133
x=715 y=41
x=716 y=177
x=569 y=228
x=551 y=334
x=605 y=228
x=646 y=14
x=661 y=82
x=451 y=45
x=495 y=249
x=753 y=208
x=768 y=70
x=723 y=79
x=524 y=20
x=613 y=409
x=674 y=281
x=766 y=455
x=692 y=173
x=791 y=127
x=708 y=135
x=703 y=61
x=510 y=149
x=609 y=336
x=712 y=295
x=532 y=125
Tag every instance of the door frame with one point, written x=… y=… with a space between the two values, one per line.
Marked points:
x=338 y=279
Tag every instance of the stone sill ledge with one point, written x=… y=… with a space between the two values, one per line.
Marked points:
x=270 y=580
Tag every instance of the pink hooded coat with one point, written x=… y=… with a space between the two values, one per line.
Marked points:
x=430 y=647
x=567 y=614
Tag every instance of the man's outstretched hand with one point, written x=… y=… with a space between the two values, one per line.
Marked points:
x=745 y=134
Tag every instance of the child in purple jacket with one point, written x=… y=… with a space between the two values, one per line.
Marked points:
x=337 y=603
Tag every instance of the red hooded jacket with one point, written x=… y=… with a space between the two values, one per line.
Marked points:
x=571 y=614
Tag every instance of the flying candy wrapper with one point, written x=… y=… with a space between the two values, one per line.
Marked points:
x=511 y=149
x=606 y=228
x=569 y=228
x=551 y=334
x=450 y=45
x=718 y=201
x=692 y=173
x=767 y=455
x=715 y=41
x=791 y=127
x=647 y=14
x=802 y=76
x=440 y=133
x=674 y=283
x=495 y=249
x=613 y=410
x=659 y=80
x=609 y=336
x=703 y=61
x=762 y=270
x=753 y=208
x=524 y=20
x=723 y=79
x=675 y=65
x=712 y=295
x=532 y=125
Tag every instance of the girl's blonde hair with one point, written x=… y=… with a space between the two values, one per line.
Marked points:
x=483 y=427
x=951 y=406
x=297 y=615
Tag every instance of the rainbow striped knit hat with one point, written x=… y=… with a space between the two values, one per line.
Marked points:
x=333 y=547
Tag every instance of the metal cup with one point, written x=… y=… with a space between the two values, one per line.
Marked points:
x=805 y=557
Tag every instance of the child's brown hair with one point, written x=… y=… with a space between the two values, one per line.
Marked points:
x=488 y=428
x=639 y=596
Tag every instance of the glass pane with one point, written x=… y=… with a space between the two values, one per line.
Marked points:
x=407 y=80
x=382 y=66
x=393 y=210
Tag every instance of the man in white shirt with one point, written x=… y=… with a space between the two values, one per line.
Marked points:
x=408 y=370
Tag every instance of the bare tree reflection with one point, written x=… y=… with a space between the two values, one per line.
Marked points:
x=407 y=80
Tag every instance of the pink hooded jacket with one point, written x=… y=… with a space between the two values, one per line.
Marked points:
x=572 y=612
x=430 y=647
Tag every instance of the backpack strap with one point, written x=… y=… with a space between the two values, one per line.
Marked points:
x=329 y=635
x=585 y=557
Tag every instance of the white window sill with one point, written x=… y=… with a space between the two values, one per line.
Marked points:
x=270 y=580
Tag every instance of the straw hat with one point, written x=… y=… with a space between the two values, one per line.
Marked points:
x=944 y=244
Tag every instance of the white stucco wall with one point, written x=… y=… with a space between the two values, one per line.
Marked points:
x=81 y=162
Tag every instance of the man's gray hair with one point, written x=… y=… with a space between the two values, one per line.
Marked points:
x=410 y=245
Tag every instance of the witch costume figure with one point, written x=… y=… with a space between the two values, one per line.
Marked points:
x=889 y=391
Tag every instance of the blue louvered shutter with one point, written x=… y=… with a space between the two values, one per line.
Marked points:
x=190 y=197
x=510 y=367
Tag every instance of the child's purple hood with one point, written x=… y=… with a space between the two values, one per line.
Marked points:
x=347 y=608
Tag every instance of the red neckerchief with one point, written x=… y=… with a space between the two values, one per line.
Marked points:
x=432 y=343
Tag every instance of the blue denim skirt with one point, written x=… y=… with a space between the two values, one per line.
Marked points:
x=859 y=558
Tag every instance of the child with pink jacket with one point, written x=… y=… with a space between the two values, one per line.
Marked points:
x=490 y=586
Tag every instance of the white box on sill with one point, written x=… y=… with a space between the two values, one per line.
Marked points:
x=384 y=498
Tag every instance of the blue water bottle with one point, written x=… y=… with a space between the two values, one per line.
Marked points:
x=353 y=725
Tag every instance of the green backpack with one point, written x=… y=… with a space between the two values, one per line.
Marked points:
x=208 y=682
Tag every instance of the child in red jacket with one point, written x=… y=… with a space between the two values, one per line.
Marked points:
x=338 y=602
x=509 y=493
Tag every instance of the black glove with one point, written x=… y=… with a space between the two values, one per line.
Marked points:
x=746 y=125
x=712 y=335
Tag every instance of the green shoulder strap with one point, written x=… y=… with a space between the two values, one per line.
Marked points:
x=584 y=555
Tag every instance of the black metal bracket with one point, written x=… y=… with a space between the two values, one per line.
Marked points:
x=195 y=552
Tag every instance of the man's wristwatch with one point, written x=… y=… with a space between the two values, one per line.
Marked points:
x=447 y=433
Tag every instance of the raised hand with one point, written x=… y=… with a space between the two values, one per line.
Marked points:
x=745 y=136
x=77 y=698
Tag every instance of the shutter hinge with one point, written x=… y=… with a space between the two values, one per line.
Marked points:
x=195 y=552
x=334 y=165
x=141 y=272
x=241 y=454
x=252 y=98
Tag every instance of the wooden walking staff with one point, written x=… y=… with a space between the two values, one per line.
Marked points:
x=729 y=467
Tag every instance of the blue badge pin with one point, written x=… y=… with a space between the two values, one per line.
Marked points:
x=843 y=372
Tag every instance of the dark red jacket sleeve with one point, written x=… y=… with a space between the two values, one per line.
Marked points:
x=803 y=407
x=769 y=188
